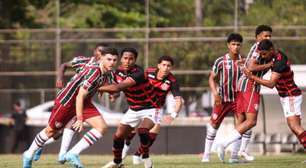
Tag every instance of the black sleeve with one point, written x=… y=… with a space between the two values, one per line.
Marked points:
x=175 y=89
x=138 y=76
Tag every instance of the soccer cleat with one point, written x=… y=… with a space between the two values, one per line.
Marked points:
x=137 y=160
x=246 y=156
x=37 y=154
x=148 y=163
x=125 y=151
x=112 y=164
x=205 y=159
x=221 y=152
x=27 y=162
x=234 y=160
x=61 y=159
x=74 y=160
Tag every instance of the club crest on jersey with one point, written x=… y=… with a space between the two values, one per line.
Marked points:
x=214 y=116
x=165 y=86
x=58 y=124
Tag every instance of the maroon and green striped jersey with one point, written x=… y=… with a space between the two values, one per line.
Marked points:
x=285 y=85
x=141 y=95
x=244 y=80
x=228 y=72
x=89 y=77
x=164 y=86
x=80 y=61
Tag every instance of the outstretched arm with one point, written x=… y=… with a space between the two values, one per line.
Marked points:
x=268 y=83
x=60 y=74
x=255 y=67
x=128 y=82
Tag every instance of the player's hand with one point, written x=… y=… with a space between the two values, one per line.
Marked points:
x=247 y=72
x=168 y=119
x=217 y=99
x=78 y=126
x=59 y=83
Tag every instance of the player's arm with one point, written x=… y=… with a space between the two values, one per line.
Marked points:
x=128 y=82
x=255 y=67
x=78 y=125
x=61 y=72
x=268 y=83
x=213 y=87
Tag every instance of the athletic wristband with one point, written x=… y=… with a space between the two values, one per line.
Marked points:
x=173 y=114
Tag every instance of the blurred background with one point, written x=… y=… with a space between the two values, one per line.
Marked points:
x=36 y=36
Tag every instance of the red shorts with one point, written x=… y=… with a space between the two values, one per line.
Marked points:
x=248 y=102
x=61 y=114
x=220 y=111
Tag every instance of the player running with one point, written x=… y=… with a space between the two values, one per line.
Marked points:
x=143 y=110
x=282 y=77
x=75 y=100
x=163 y=82
x=226 y=70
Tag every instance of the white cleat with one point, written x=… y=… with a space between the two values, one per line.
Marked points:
x=235 y=160
x=246 y=156
x=221 y=152
x=113 y=165
x=148 y=163
x=205 y=159
x=125 y=151
x=137 y=160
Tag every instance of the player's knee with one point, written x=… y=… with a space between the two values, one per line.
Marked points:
x=50 y=132
x=252 y=123
x=102 y=129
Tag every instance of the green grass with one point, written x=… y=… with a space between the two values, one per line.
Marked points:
x=164 y=161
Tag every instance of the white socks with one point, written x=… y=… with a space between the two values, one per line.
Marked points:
x=66 y=140
x=245 y=140
x=49 y=141
x=235 y=135
x=87 y=140
x=235 y=148
x=38 y=142
x=210 y=137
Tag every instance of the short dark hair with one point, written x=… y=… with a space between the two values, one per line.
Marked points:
x=109 y=50
x=265 y=45
x=262 y=28
x=234 y=37
x=166 y=58
x=131 y=50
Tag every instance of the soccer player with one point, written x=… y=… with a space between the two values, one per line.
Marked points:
x=248 y=95
x=143 y=107
x=77 y=63
x=226 y=72
x=289 y=93
x=262 y=32
x=163 y=82
x=75 y=100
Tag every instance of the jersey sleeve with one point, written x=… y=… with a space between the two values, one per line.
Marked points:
x=78 y=62
x=175 y=89
x=91 y=79
x=138 y=76
x=217 y=67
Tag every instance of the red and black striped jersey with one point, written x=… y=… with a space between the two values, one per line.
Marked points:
x=285 y=84
x=164 y=86
x=141 y=95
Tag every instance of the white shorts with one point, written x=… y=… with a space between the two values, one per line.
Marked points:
x=133 y=118
x=292 y=105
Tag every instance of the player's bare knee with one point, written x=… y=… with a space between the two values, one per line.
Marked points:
x=50 y=132
x=252 y=123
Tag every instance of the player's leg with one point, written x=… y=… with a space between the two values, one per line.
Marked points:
x=239 y=118
x=137 y=157
x=59 y=117
x=37 y=143
x=144 y=135
x=216 y=119
x=128 y=143
x=294 y=123
x=129 y=121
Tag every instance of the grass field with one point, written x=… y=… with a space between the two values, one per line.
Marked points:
x=164 y=161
